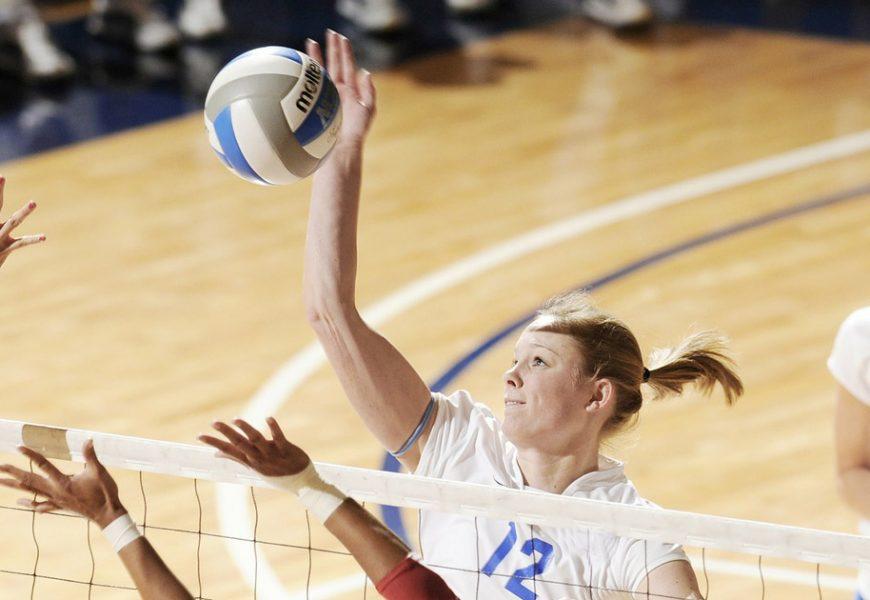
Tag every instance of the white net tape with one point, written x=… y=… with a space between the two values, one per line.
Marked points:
x=707 y=531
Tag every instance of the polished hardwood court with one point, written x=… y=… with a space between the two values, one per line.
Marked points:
x=169 y=291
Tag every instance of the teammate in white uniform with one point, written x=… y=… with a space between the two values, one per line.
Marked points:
x=849 y=363
x=576 y=380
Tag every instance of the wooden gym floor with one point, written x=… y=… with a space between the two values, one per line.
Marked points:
x=169 y=291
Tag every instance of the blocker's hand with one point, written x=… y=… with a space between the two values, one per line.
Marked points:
x=274 y=458
x=9 y=244
x=92 y=493
x=355 y=87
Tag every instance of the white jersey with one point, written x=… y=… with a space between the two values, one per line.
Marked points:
x=849 y=363
x=495 y=559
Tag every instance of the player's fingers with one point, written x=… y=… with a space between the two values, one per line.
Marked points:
x=54 y=474
x=313 y=50
x=2 y=189
x=333 y=56
x=14 y=471
x=223 y=447
x=242 y=462
x=17 y=217
x=235 y=438
x=27 y=240
x=24 y=485
x=348 y=62
x=249 y=430
x=277 y=434
x=39 y=506
x=367 y=92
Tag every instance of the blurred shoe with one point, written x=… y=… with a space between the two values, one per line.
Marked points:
x=136 y=22
x=202 y=19
x=374 y=16
x=41 y=59
x=617 y=14
x=468 y=7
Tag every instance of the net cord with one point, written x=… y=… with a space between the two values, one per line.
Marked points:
x=473 y=500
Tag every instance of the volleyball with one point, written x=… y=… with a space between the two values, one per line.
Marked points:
x=272 y=115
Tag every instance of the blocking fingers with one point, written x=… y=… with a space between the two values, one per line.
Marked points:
x=25 y=484
x=54 y=474
x=2 y=188
x=224 y=448
x=277 y=434
x=17 y=218
x=39 y=506
x=235 y=438
x=27 y=240
x=249 y=430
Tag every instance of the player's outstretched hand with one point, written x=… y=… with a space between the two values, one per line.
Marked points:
x=274 y=458
x=92 y=493
x=355 y=86
x=9 y=244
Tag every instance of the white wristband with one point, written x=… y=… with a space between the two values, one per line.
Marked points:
x=319 y=497
x=121 y=532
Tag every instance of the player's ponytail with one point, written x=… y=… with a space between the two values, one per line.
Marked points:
x=700 y=359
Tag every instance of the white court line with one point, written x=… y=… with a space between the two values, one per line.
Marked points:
x=233 y=510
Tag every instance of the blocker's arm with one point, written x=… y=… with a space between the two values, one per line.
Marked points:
x=93 y=494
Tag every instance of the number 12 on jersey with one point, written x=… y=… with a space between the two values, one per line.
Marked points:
x=529 y=548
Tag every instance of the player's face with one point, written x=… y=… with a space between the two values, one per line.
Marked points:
x=545 y=393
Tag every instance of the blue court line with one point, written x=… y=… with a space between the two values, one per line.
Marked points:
x=392 y=516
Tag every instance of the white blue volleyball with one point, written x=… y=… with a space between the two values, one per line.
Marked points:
x=272 y=114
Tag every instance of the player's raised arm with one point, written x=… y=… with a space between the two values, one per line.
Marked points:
x=380 y=383
x=93 y=494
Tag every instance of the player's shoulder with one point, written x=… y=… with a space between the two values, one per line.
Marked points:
x=857 y=324
x=460 y=405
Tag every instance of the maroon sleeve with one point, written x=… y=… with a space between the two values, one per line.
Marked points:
x=410 y=580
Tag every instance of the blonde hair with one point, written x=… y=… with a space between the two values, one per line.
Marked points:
x=611 y=351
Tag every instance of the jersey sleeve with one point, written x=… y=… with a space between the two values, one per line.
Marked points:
x=642 y=557
x=462 y=430
x=410 y=580
x=849 y=362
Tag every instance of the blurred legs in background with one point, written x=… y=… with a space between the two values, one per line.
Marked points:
x=145 y=25
x=384 y=16
x=22 y=28
x=617 y=14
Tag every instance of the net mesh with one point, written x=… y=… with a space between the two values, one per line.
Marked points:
x=279 y=552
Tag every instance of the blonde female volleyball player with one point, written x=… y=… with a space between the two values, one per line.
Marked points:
x=93 y=494
x=577 y=378
x=849 y=363
x=9 y=244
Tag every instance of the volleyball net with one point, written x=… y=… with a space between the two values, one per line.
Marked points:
x=228 y=534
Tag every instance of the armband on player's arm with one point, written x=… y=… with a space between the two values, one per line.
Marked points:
x=412 y=581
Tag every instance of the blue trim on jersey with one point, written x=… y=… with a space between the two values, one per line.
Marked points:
x=392 y=516
x=858 y=596
x=223 y=127
x=322 y=114
x=418 y=431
